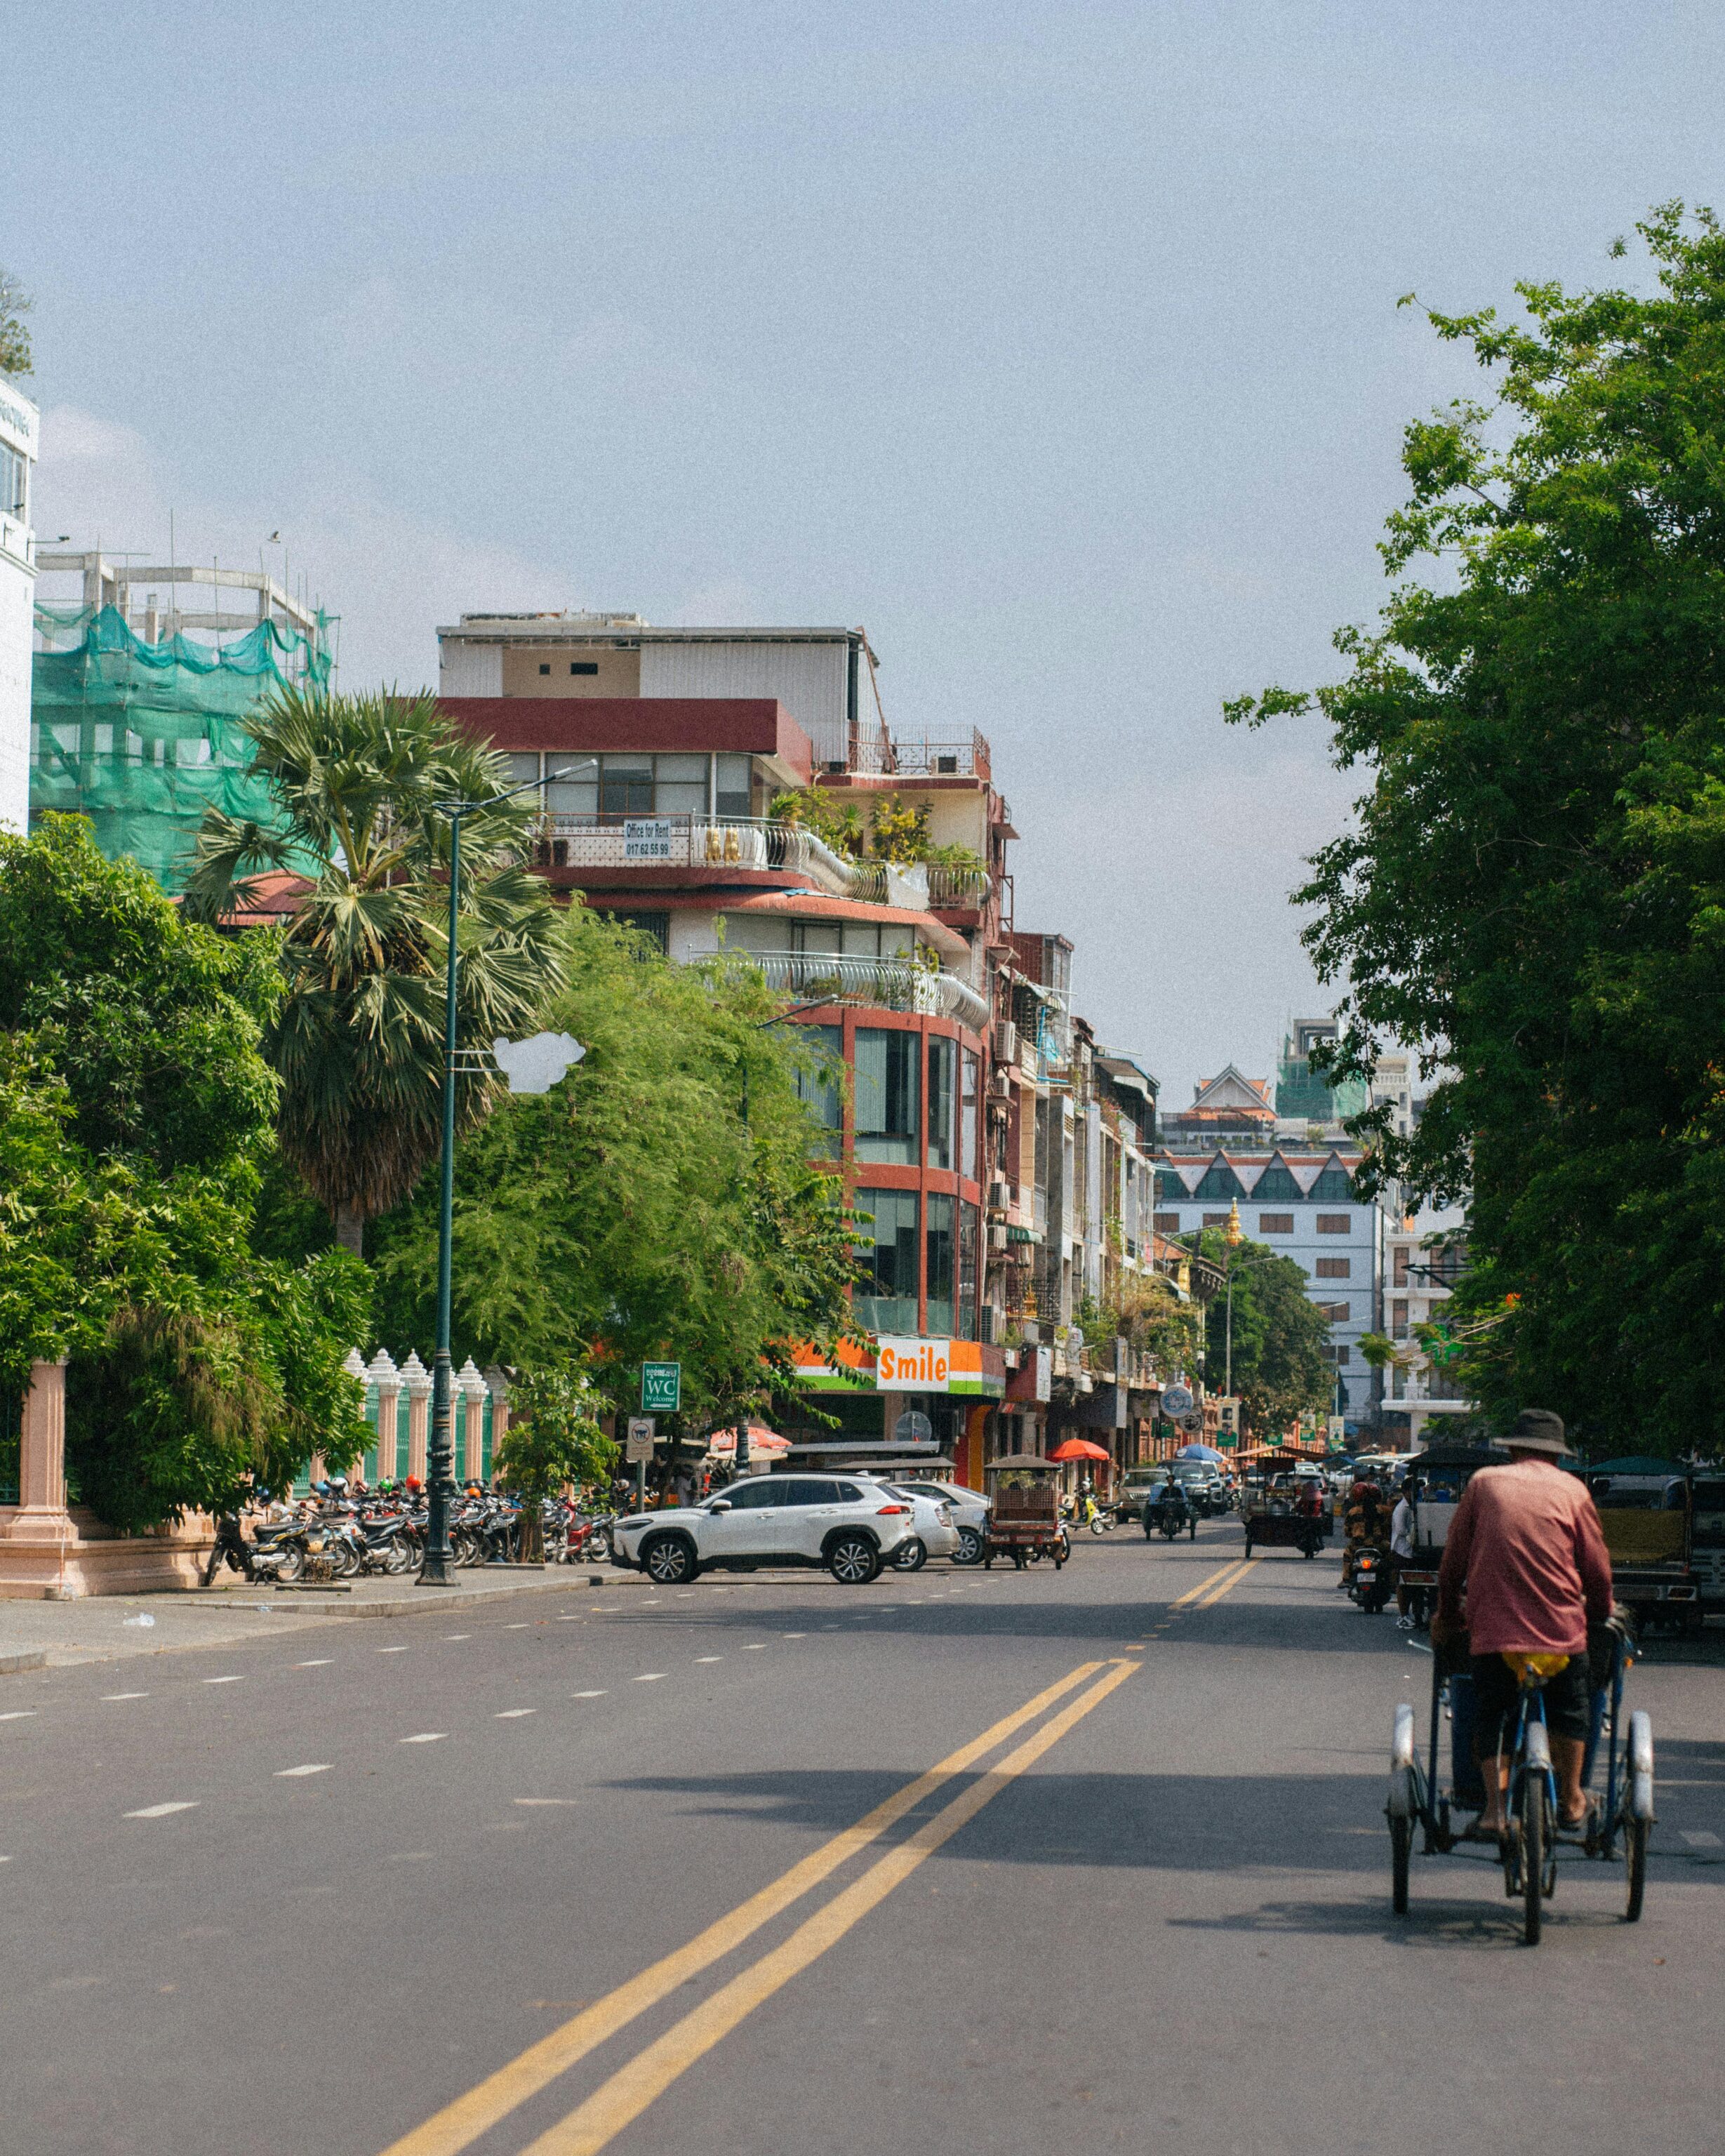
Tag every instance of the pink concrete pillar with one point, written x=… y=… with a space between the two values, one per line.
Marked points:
x=417 y=1378
x=499 y=1385
x=387 y=1380
x=42 y=1450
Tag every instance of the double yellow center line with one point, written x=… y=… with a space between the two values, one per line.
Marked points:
x=1212 y=1589
x=634 y=2086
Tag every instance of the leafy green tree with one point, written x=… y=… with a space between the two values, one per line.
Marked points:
x=1532 y=891
x=660 y=1202
x=1279 y=1368
x=135 y=1115
x=358 y=1038
x=553 y=1438
x=15 y=356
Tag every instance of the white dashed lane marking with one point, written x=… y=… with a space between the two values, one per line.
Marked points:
x=546 y=1800
x=652 y=1676
x=389 y=1650
x=514 y=1713
x=19 y=1714
x=458 y=1635
x=429 y=1736
x=709 y=1658
x=322 y=1662
x=160 y=1811
x=587 y=1695
x=232 y=1680
x=756 y=1647
x=1699 y=1838
x=287 y=1773
x=108 y=1695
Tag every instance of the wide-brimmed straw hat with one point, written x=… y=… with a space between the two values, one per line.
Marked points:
x=1538 y=1430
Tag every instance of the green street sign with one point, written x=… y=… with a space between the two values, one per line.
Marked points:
x=661 y=1387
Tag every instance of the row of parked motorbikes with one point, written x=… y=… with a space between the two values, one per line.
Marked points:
x=333 y=1534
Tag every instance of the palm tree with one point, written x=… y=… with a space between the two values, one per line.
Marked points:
x=357 y=1039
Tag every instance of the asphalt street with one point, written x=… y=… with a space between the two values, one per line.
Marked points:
x=1081 y=1862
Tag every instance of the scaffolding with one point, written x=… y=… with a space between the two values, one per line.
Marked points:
x=135 y=721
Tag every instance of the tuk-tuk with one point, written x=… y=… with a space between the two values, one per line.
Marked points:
x=1439 y=1476
x=1285 y=1503
x=1024 y=1519
x=1645 y=1511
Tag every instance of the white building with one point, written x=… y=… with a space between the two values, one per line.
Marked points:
x=1420 y=1272
x=1305 y=1207
x=19 y=425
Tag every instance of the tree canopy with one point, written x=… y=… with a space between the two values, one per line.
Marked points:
x=1278 y=1364
x=358 y=1036
x=135 y=1115
x=1533 y=891
x=659 y=1203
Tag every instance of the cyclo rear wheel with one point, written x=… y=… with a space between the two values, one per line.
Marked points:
x=1401 y=1848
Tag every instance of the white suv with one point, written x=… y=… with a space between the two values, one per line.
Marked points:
x=849 y=1523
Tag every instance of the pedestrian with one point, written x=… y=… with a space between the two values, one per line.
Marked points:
x=1401 y=1548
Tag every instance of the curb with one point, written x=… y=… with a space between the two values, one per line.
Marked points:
x=418 y=1603
x=27 y=1658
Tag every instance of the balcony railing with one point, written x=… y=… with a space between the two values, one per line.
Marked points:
x=902 y=759
x=887 y=984
x=587 y=839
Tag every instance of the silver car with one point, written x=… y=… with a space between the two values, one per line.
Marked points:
x=969 y=1516
x=935 y=1531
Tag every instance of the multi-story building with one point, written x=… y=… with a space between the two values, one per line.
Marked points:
x=1420 y=1273
x=663 y=753
x=139 y=679
x=1301 y=1201
x=19 y=425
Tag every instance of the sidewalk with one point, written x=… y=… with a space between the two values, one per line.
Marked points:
x=35 y=1635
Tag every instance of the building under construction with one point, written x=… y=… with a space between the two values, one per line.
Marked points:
x=139 y=684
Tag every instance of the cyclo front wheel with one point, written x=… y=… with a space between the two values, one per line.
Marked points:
x=1532 y=1854
x=1401 y=1848
x=1634 y=1865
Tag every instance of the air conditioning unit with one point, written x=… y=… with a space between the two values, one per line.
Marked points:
x=1006 y=1041
x=997 y=1235
x=1000 y=1085
x=1000 y=1193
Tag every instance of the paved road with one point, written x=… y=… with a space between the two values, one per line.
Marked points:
x=729 y=1869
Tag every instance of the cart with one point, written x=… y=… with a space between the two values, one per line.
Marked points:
x=1024 y=1519
x=1272 y=1512
x=1421 y=1801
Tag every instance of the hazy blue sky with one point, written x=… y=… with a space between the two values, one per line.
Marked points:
x=1057 y=345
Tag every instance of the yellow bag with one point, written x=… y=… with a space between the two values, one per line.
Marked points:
x=1536 y=1668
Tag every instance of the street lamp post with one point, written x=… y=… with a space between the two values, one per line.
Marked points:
x=440 y=1462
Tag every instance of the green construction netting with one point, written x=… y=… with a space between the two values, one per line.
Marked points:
x=142 y=737
x=1302 y=1093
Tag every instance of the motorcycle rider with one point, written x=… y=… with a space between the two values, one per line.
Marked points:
x=1173 y=1506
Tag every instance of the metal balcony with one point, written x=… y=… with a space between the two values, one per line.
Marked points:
x=887 y=984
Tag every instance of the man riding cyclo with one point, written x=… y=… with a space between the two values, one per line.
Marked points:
x=1526 y=1547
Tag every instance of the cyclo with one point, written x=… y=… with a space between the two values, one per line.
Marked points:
x=1529 y=1851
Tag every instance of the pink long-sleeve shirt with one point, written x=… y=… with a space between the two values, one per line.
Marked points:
x=1526 y=1541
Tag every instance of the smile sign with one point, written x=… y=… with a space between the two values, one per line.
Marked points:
x=913 y=1366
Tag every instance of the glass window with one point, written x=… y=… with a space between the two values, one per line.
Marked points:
x=885 y=1298
x=681 y=770
x=731 y=794
x=887 y=1096
x=521 y=769
x=572 y=797
x=970 y=1091
x=678 y=800
x=804 y=1490
x=752 y=1497
x=896 y=943
x=849 y=1494
x=819 y=1086
x=940 y=1265
x=825 y=937
x=861 y=941
x=626 y=785
x=940 y=1103
x=969 y=1246
x=14 y=494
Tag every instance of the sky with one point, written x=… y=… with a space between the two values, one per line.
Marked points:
x=1058 y=345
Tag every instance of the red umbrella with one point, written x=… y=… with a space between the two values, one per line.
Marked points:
x=1079 y=1448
